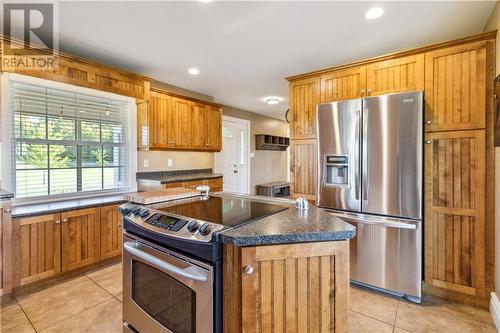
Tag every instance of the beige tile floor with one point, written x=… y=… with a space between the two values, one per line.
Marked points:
x=91 y=303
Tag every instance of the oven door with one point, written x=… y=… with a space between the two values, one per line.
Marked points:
x=164 y=291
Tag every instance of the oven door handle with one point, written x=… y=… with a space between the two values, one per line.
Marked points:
x=190 y=272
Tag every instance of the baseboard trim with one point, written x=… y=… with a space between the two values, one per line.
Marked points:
x=495 y=309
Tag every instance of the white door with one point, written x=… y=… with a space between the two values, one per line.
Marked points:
x=233 y=160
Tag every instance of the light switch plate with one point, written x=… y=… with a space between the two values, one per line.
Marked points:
x=145 y=163
x=252 y=154
x=170 y=162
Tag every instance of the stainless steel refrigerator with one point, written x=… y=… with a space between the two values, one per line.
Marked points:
x=370 y=174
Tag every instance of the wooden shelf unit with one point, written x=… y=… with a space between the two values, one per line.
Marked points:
x=271 y=142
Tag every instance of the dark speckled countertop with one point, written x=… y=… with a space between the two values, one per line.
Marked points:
x=289 y=226
x=165 y=177
x=65 y=205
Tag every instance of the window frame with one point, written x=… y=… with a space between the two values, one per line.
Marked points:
x=9 y=141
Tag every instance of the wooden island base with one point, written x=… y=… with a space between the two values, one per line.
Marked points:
x=286 y=288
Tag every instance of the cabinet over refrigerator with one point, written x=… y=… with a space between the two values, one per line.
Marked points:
x=370 y=174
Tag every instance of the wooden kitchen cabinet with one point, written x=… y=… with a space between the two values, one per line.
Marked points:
x=111 y=232
x=455 y=211
x=159 y=115
x=455 y=88
x=80 y=234
x=214 y=128
x=37 y=253
x=215 y=184
x=303 y=168
x=142 y=126
x=343 y=84
x=395 y=75
x=206 y=124
x=304 y=97
x=286 y=288
x=179 y=128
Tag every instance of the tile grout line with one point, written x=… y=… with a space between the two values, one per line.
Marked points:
x=26 y=315
x=384 y=322
x=74 y=315
x=97 y=284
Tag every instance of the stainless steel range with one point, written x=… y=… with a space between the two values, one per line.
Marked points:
x=172 y=261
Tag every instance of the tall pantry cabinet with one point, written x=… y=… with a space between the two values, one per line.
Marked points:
x=457 y=80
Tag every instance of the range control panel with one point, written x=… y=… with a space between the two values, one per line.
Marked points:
x=169 y=224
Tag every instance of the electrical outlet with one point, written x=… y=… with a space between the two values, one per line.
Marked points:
x=145 y=163
x=170 y=162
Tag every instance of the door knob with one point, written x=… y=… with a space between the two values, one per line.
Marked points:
x=235 y=171
x=249 y=270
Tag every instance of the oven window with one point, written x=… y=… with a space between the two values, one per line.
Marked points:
x=168 y=301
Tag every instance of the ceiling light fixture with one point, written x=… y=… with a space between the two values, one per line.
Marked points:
x=374 y=13
x=205 y=1
x=194 y=71
x=272 y=101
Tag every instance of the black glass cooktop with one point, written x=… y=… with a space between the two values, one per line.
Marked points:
x=228 y=211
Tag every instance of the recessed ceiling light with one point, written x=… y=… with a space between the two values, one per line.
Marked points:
x=272 y=101
x=194 y=71
x=373 y=13
x=205 y=1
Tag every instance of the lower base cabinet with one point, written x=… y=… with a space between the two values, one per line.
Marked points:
x=215 y=184
x=38 y=246
x=48 y=245
x=286 y=288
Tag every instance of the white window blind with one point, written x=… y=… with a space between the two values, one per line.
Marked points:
x=65 y=142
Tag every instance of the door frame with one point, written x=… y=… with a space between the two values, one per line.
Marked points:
x=247 y=123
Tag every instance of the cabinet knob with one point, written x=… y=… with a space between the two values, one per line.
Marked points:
x=249 y=270
x=57 y=222
x=65 y=220
x=362 y=92
x=369 y=91
x=7 y=210
x=428 y=122
x=428 y=142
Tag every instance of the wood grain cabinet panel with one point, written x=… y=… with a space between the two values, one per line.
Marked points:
x=455 y=210
x=303 y=172
x=455 y=88
x=343 y=84
x=111 y=232
x=180 y=124
x=289 y=288
x=80 y=230
x=394 y=76
x=38 y=248
x=200 y=126
x=215 y=128
x=142 y=126
x=160 y=108
x=304 y=97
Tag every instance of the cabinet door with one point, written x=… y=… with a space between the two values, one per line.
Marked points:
x=38 y=248
x=111 y=231
x=80 y=230
x=180 y=124
x=455 y=87
x=200 y=126
x=160 y=108
x=215 y=129
x=192 y=184
x=343 y=84
x=142 y=126
x=215 y=184
x=304 y=97
x=454 y=211
x=303 y=173
x=172 y=185
x=303 y=287
x=397 y=75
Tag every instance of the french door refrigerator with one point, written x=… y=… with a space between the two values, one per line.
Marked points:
x=370 y=174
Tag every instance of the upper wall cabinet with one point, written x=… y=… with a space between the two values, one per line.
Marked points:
x=455 y=87
x=304 y=96
x=170 y=122
x=84 y=73
x=343 y=84
x=397 y=75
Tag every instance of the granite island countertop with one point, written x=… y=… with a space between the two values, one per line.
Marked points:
x=165 y=177
x=288 y=226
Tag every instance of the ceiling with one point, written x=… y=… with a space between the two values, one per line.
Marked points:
x=244 y=50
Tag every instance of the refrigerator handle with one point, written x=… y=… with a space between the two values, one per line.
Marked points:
x=364 y=152
x=355 y=162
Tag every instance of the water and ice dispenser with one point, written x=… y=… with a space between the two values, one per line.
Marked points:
x=336 y=170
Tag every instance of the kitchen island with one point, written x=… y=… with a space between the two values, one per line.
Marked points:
x=287 y=272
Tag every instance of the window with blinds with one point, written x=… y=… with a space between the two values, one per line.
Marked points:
x=64 y=142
